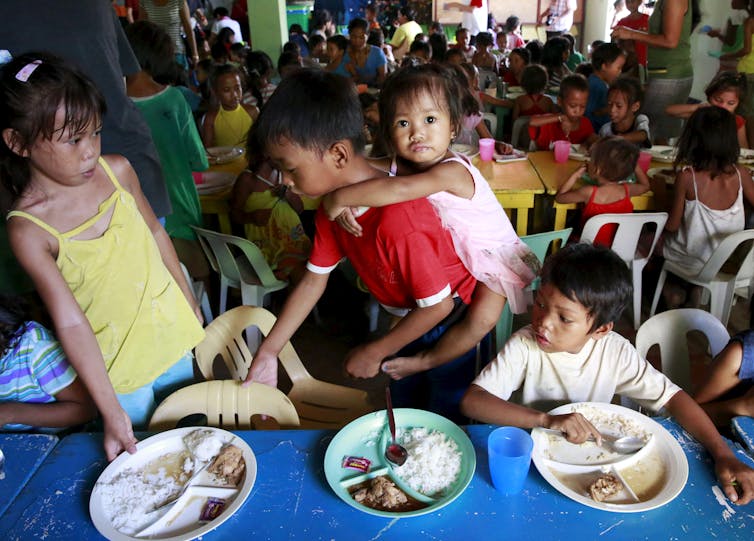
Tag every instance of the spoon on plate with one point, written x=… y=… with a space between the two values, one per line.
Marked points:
x=395 y=453
x=625 y=445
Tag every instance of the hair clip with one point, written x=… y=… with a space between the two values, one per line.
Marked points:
x=25 y=72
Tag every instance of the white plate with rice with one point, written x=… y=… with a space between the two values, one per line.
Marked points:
x=125 y=496
x=746 y=156
x=220 y=155
x=440 y=466
x=662 y=153
x=665 y=173
x=655 y=475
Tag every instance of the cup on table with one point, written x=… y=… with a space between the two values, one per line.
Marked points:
x=561 y=149
x=645 y=159
x=486 y=149
x=509 y=452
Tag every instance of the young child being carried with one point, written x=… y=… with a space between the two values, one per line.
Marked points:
x=101 y=262
x=38 y=388
x=228 y=123
x=570 y=125
x=725 y=90
x=611 y=163
x=708 y=196
x=420 y=115
x=570 y=353
x=623 y=103
x=311 y=130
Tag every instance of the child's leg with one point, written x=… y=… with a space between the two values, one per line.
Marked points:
x=480 y=318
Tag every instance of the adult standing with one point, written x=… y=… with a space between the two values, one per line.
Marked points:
x=404 y=36
x=223 y=20
x=669 y=66
x=366 y=63
x=745 y=58
x=474 y=14
x=558 y=17
x=322 y=24
x=173 y=16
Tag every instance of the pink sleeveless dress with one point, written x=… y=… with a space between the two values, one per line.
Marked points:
x=484 y=239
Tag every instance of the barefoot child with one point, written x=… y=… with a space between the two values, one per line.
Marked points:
x=311 y=129
x=570 y=353
x=228 y=123
x=421 y=115
x=100 y=260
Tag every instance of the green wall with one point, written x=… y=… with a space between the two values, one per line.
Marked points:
x=268 y=26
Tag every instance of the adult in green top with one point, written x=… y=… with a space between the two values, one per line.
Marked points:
x=405 y=34
x=668 y=61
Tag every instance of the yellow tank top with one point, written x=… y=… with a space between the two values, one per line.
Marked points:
x=746 y=63
x=139 y=315
x=232 y=127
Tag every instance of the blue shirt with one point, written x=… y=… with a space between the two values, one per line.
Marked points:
x=368 y=73
x=597 y=100
x=746 y=339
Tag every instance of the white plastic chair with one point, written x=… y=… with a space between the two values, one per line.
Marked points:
x=242 y=267
x=669 y=331
x=200 y=295
x=491 y=120
x=720 y=285
x=520 y=133
x=626 y=241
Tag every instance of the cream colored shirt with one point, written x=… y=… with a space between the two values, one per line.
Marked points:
x=602 y=369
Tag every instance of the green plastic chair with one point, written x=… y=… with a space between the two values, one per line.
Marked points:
x=539 y=243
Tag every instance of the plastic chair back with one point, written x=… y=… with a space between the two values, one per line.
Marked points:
x=491 y=120
x=319 y=404
x=226 y=405
x=669 y=331
x=626 y=241
x=520 y=133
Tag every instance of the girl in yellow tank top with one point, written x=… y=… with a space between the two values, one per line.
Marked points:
x=229 y=123
x=83 y=231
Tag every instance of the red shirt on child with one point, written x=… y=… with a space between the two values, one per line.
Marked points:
x=545 y=135
x=640 y=23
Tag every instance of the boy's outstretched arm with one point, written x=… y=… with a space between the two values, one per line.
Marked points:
x=301 y=301
x=728 y=468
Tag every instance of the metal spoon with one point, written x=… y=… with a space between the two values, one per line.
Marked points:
x=2 y=465
x=395 y=453
x=625 y=445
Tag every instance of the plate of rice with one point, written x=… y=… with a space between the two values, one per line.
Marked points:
x=441 y=462
x=600 y=478
x=662 y=153
x=129 y=498
x=746 y=156
x=220 y=155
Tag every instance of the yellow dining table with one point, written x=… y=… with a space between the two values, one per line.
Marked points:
x=554 y=174
x=218 y=203
x=515 y=185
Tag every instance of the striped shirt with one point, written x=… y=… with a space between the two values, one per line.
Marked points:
x=35 y=369
x=168 y=17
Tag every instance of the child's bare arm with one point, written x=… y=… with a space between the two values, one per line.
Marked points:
x=727 y=467
x=636 y=136
x=72 y=406
x=682 y=110
x=642 y=183
x=547 y=118
x=252 y=111
x=679 y=201
x=743 y=141
x=208 y=128
x=566 y=193
x=746 y=184
x=723 y=376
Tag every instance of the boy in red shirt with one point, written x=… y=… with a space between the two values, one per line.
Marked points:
x=311 y=130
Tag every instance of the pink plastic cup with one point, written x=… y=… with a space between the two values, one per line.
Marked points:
x=644 y=160
x=486 y=149
x=562 y=149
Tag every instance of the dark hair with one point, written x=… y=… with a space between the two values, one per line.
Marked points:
x=13 y=315
x=607 y=53
x=226 y=36
x=291 y=46
x=315 y=40
x=437 y=27
x=410 y=82
x=725 y=81
x=28 y=107
x=596 y=43
x=313 y=109
x=709 y=141
x=594 y=276
x=453 y=51
x=376 y=37
x=367 y=100
x=573 y=82
x=614 y=158
x=552 y=52
x=418 y=46
x=511 y=23
x=439 y=45
x=258 y=66
x=358 y=23
x=585 y=69
x=523 y=53
x=570 y=38
x=408 y=12
x=535 y=51
x=223 y=69
x=219 y=53
x=288 y=58
x=484 y=39
x=459 y=30
x=153 y=48
x=534 y=79
x=296 y=28
x=630 y=87
x=320 y=18
x=340 y=41
x=220 y=12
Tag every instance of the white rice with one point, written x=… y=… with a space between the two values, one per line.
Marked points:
x=612 y=423
x=434 y=460
x=203 y=444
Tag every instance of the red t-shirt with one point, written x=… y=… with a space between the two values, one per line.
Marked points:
x=553 y=132
x=641 y=23
x=404 y=256
x=740 y=122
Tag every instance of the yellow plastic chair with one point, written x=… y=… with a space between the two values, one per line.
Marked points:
x=227 y=405
x=319 y=404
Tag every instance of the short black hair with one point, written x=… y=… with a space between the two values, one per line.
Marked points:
x=153 y=48
x=709 y=142
x=534 y=79
x=315 y=40
x=553 y=51
x=220 y=12
x=408 y=12
x=484 y=38
x=320 y=18
x=340 y=41
x=614 y=158
x=535 y=50
x=573 y=82
x=453 y=51
x=594 y=276
x=607 y=53
x=511 y=23
x=523 y=53
x=223 y=69
x=356 y=23
x=420 y=46
x=630 y=87
x=312 y=109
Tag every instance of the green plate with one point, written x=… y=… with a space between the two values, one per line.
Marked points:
x=368 y=436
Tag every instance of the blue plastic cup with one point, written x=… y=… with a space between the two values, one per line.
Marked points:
x=509 y=452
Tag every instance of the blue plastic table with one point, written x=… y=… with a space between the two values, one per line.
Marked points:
x=24 y=453
x=744 y=428
x=292 y=500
